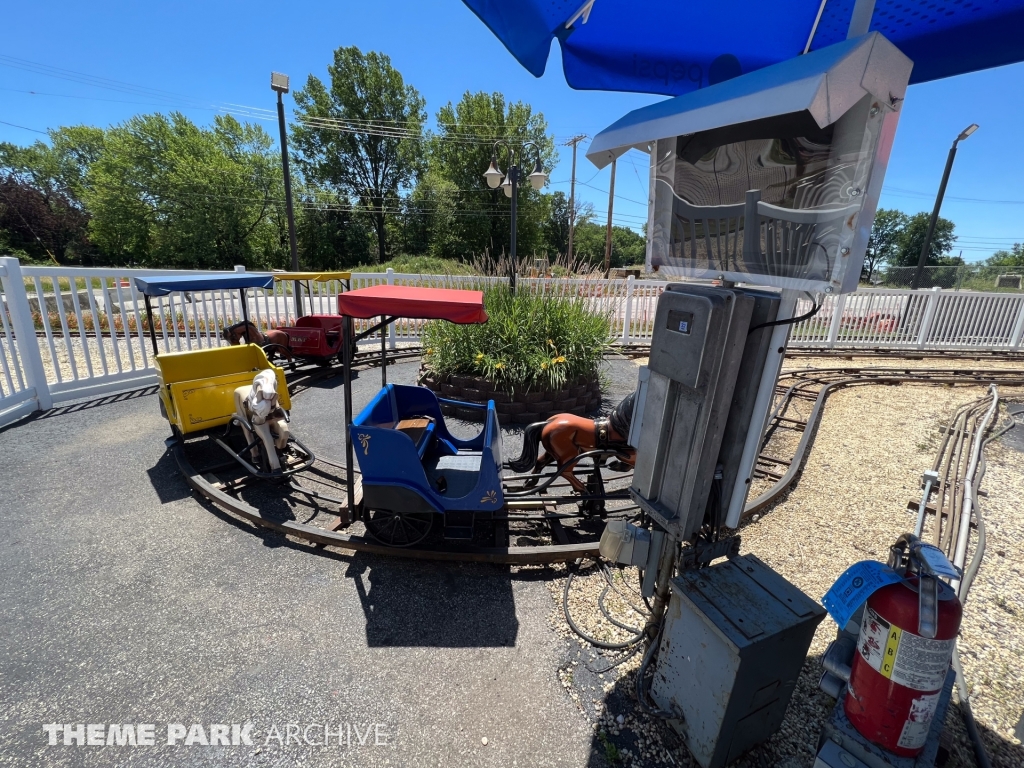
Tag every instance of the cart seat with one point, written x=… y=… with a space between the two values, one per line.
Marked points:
x=420 y=431
x=455 y=476
x=197 y=388
x=404 y=447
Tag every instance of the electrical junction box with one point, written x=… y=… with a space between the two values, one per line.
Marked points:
x=696 y=348
x=735 y=638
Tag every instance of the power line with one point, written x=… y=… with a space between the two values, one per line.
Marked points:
x=898 y=192
x=24 y=127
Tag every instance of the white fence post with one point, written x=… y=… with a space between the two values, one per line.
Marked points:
x=24 y=330
x=1018 y=328
x=929 y=317
x=838 y=307
x=391 y=326
x=627 y=311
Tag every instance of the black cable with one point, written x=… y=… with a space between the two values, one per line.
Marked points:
x=637 y=647
x=793 y=320
x=612 y=619
x=611 y=583
x=641 y=689
x=579 y=631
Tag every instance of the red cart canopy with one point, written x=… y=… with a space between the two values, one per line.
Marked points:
x=462 y=307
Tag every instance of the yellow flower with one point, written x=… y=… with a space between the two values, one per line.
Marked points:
x=430 y=350
x=499 y=366
x=479 y=356
x=543 y=366
x=551 y=342
x=560 y=359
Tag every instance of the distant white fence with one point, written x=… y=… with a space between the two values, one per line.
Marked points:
x=68 y=333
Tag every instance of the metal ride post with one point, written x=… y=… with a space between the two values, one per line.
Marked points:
x=346 y=357
x=245 y=315
x=383 y=353
x=279 y=83
x=152 y=325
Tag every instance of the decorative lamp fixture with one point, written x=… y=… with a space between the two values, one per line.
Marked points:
x=493 y=173
x=538 y=177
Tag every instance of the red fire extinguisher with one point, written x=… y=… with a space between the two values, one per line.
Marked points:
x=903 y=653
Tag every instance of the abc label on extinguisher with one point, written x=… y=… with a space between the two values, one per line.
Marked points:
x=909 y=660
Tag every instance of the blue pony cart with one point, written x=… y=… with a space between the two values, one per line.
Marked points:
x=413 y=470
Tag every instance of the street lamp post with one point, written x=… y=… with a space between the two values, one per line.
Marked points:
x=279 y=83
x=923 y=258
x=510 y=186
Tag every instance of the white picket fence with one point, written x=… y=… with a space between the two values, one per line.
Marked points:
x=70 y=333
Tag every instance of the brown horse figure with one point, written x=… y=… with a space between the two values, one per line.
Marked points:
x=565 y=436
x=276 y=340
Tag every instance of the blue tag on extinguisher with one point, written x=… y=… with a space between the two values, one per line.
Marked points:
x=854 y=587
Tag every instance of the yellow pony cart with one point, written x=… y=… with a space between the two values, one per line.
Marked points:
x=199 y=388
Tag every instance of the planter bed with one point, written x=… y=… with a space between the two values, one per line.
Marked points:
x=579 y=396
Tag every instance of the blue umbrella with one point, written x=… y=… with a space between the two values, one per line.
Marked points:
x=673 y=47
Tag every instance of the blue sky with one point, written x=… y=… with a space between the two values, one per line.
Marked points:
x=216 y=53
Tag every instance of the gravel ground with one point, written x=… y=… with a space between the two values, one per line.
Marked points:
x=872 y=445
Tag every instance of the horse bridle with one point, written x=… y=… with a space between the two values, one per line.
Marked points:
x=238 y=325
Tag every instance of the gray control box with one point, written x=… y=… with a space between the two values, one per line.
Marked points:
x=696 y=349
x=736 y=636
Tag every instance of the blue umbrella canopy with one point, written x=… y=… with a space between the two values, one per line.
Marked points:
x=672 y=47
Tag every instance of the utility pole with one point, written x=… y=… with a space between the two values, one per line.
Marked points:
x=572 y=192
x=279 y=83
x=608 y=230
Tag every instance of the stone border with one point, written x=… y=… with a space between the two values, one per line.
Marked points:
x=581 y=397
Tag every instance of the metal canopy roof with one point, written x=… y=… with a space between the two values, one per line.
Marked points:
x=668 y=47
x=316 y=277
x=824 y=84
x=161 y=286
x=456 y=306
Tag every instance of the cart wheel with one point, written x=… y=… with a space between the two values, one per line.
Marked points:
x=399 y=529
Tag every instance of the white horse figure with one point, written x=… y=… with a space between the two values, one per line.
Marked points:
x=257 y=404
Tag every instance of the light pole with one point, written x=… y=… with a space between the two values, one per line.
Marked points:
x=510 y=185
x=279 y=83
x=923 y=258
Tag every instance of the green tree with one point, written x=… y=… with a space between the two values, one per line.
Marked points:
x=556 y=228
x=1011 y=258
x=911 y=240
x=330 y=236
x=41 y=195
x=360 y=138
x=628 y=247
x=165 y=192
x=460 y=153
x=885 y=241
x=434 y=212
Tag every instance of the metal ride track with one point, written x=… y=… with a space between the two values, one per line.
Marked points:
x=817 y=384
x=811 y=384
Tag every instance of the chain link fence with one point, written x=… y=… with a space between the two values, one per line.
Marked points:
x=967 y=277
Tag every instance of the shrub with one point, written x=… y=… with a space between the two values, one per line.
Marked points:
x=530 y=341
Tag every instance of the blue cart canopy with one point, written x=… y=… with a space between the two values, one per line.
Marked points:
x=161 y=286
x=671 y=47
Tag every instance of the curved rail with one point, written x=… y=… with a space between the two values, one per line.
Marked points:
x=832 y=379
x=799 y=382
x=535 y=555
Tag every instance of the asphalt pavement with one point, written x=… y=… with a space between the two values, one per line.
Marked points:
x=126 y=600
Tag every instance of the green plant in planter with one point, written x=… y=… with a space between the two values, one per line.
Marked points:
x=530 y=342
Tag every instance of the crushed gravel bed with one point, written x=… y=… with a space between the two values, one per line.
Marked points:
x=849 y=504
